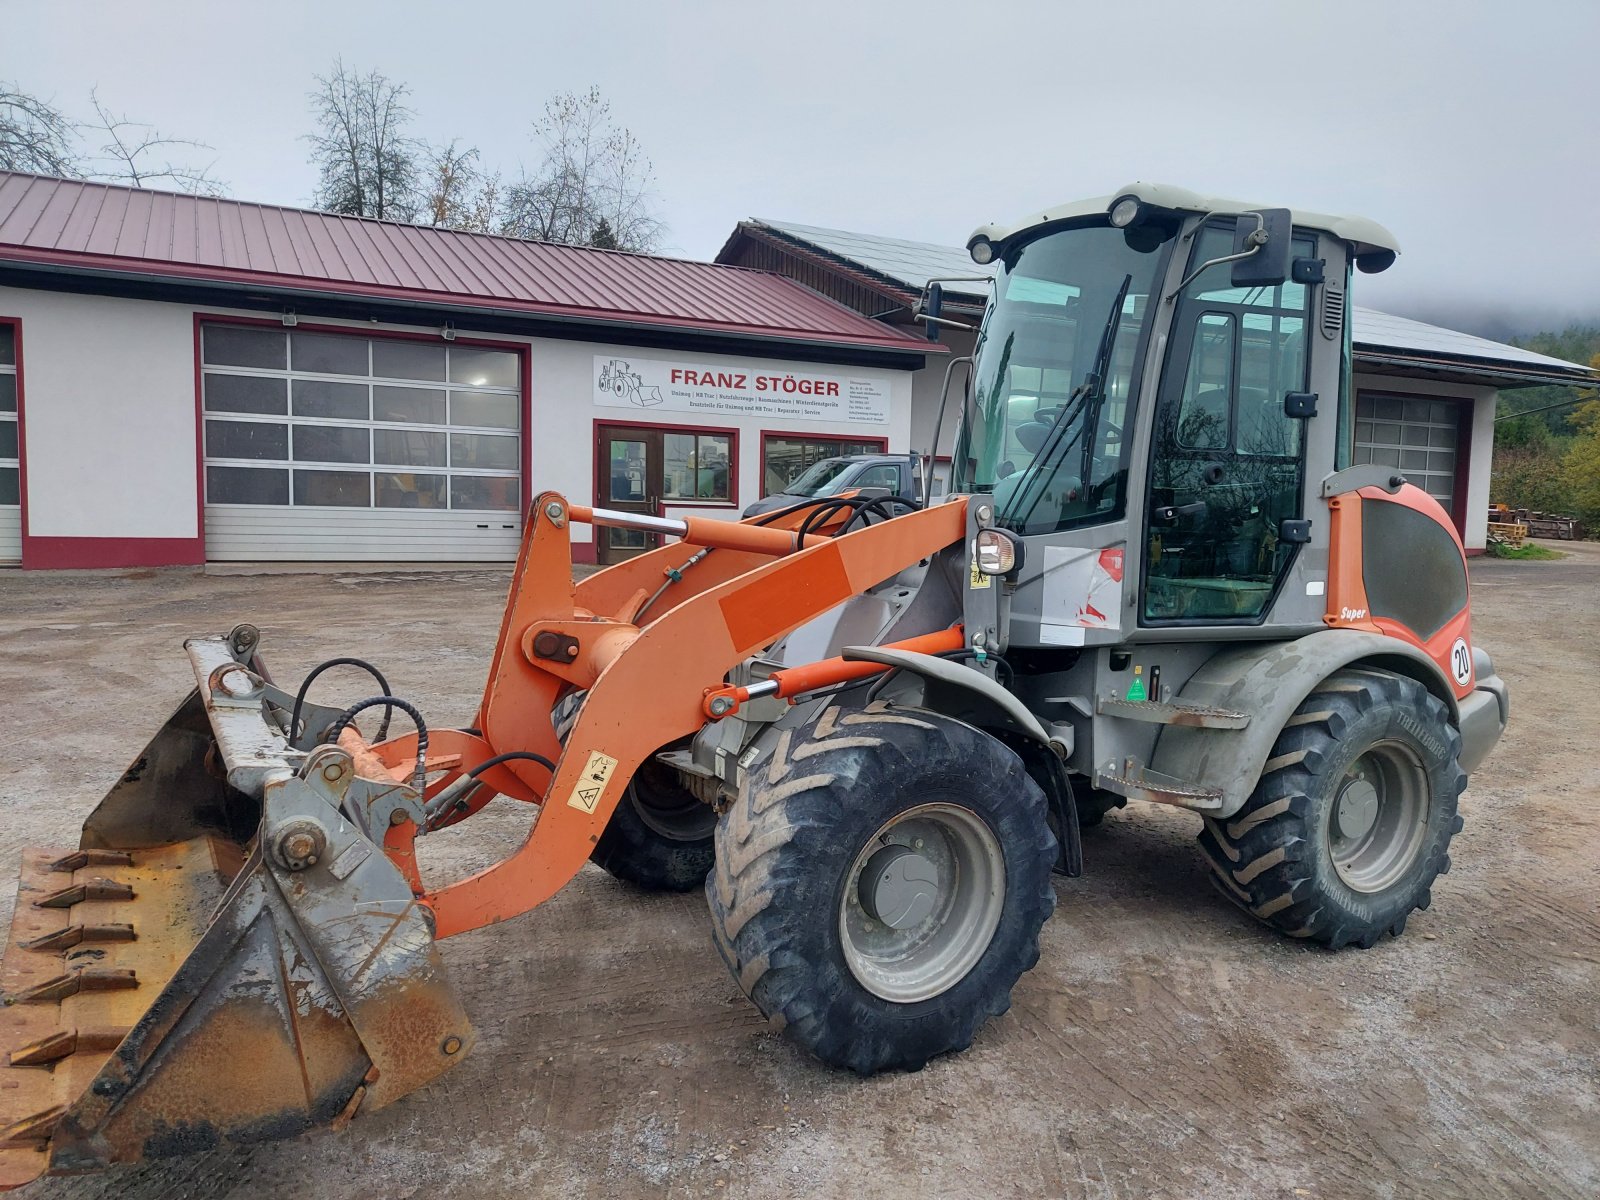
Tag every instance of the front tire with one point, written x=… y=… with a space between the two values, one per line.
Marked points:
x=880 y=888
x=659 y=837
x=1351 y=821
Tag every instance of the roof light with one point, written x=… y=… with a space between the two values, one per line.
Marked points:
x=982 y=251
x=1126 y=211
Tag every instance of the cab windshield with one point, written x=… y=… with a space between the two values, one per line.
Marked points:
x=818 y=478
x=1055 y=375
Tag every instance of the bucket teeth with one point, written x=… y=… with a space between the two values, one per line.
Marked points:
x=89 y=979
x=31 y=1133
x=79 y=859
x=95 y=889
x=60 y=1044
x=73 y=935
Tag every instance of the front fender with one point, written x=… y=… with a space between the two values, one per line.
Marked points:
x=973 y=697
x=1270 y=682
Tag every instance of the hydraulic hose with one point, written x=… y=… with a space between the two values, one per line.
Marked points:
x=305 y=686
x=454 y=796
x=419 y=776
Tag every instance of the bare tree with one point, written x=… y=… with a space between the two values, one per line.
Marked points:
x=34 y=135
x=368 y=162
x=594 y=170
x=138 y=155
x=457 y=192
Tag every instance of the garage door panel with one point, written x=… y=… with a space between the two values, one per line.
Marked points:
x=1419 y=437
x=344 y=447
x=258 y=533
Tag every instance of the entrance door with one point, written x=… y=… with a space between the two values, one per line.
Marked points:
x=630 y=481
x=1225 y=472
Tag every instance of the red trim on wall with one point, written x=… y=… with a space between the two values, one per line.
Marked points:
x=586 y=552
x=761 y=477
x=22 y=442
x=673 y=427
x=71 y=553
x=1464 y=411
x=523 y=350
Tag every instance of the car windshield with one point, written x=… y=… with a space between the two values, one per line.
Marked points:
x=818 y=479
x=1055 y=373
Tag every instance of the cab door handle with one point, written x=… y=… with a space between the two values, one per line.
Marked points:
x=1171 y=514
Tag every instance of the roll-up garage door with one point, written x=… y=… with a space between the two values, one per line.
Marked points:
x=1419 y=436
x=10 y=452
x=327 y=447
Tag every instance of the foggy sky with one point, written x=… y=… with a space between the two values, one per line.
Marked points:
x=1468 y=128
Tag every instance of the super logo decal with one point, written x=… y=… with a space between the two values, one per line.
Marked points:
x=596 y=774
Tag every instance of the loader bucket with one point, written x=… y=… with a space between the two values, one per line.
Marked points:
x=228 y=955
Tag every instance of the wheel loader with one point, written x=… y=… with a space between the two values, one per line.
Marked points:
x=871 y=736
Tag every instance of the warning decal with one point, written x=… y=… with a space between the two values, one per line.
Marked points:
x=586 y=792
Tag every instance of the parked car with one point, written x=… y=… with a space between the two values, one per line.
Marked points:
x=895 y=474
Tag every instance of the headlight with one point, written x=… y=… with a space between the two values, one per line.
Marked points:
x=982 y=251
x=1125 y=211
x=998 y=553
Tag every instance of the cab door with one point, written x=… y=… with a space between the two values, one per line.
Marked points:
x=1223 y=514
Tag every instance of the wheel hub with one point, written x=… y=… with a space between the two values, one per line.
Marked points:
x=1357 y=810
x=899 y=887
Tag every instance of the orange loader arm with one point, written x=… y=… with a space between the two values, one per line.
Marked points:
x=647 y=670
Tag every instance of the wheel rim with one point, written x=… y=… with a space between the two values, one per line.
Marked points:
x=1378 y=817
x=922 y=902
x=667 y=807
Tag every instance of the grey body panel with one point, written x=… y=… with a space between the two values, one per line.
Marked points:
x=1270 y=683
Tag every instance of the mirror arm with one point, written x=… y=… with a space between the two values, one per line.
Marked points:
x=1257 y=239
x=938 y=428
x=920 y=316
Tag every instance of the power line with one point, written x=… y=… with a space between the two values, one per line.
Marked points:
x=1546 y=408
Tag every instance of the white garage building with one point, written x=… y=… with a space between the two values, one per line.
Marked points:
x=185 y=379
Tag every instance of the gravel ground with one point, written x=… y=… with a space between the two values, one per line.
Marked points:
x=1166 y=1046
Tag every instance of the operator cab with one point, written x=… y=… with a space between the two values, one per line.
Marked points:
x=1143 y=384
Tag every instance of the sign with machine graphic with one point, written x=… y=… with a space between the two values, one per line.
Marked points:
x=736 y=390
x=1082 y=591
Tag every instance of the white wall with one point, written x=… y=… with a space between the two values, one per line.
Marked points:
x=928 y=388
x=110 y=412
x=565 y=412
x=1483 y=400
x=109 y=415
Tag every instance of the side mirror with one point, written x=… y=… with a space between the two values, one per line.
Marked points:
x=1271 y=232
x=932 y=305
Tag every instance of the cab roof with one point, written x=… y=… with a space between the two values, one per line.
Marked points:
x=1364 y=235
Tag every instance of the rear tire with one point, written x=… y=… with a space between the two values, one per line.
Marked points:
x=1351 y=821
x=814 y=899
x=659 y=837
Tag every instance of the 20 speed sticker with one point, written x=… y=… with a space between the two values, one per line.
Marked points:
x=1461 y=662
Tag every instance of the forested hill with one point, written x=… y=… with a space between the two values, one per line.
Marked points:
x=1577 y=344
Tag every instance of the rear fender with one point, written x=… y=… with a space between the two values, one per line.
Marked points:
x=1270 y=682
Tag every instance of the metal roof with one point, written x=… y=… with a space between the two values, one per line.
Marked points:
x=95 y=228
x=907 y=264
x=1381 y=339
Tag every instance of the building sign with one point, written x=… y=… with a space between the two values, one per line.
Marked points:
x=738 y=391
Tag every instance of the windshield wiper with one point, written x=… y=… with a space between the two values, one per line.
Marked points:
x=1092 y=389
